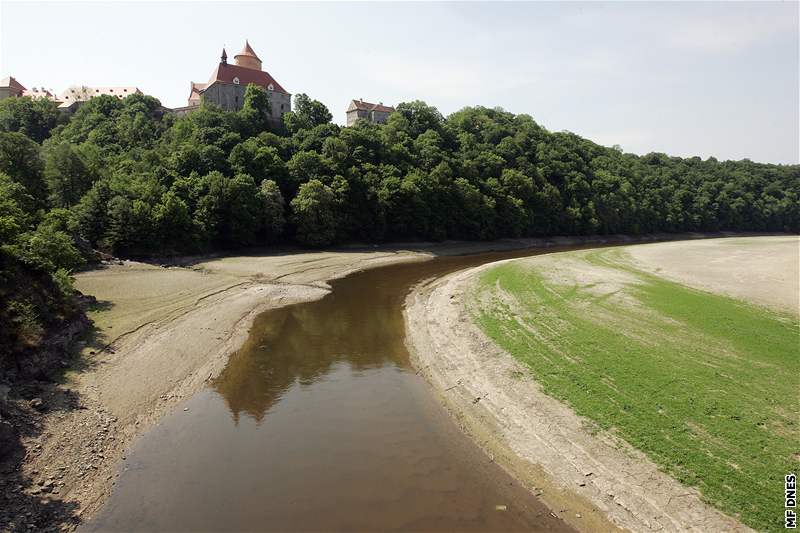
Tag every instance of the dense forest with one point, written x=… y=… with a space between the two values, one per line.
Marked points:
x=128 y=178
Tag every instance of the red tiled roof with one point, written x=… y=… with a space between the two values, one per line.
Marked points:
x=366 y=106
x=196 y=89
x=11 y=82
x=247 y=51
x=40 y=93
x=226 y=73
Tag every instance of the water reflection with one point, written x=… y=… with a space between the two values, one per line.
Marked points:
x=319 y=423
x=360 y=322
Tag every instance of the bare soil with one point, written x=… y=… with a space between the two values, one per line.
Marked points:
x=763 y=270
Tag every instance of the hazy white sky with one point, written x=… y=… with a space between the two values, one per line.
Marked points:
x=688 y=79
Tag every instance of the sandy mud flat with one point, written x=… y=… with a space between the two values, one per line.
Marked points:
x=163 y=333
x=539 y=439
x=763 y=270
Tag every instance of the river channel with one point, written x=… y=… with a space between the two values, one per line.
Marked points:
x=319 y=422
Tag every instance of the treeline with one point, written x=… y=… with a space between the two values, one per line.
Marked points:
x=133 y=180
x=128 y=178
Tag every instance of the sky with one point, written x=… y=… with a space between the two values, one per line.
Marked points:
x=708 y=79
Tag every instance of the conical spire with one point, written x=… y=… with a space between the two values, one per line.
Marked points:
x=247 y=57
x=247 y=50
x=224 y=57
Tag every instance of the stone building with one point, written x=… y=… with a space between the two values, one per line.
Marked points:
x=67 y=101
x=10 y=87
x=227 y=85
x=41 y=92
x=359 y=109
x=74 y=96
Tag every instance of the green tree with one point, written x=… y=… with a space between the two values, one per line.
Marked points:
x=259 y=161
x=419 y=116
x=173 y=223
x=229 y=210
x=272 y=210
x=130 y=227
x=33 y=117
x=20 y=159
x=16 y=209
x=307 y=114
x=256 y=110
x=92 y=212
x=314 y=214
x=66 y=174
x=304 y=166
x=47 y=249
x=403 y=203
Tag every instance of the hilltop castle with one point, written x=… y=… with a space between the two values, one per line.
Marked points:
x=228 y=82
x=225 y=88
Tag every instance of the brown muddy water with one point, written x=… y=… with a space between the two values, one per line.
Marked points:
x=319 y=422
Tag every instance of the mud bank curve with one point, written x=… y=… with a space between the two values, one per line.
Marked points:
x=537 y=438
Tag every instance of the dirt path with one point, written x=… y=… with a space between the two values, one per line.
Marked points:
x=541 y=441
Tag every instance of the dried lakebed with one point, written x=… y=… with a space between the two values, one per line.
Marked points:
x=319 y=421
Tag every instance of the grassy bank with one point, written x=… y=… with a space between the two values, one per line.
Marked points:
x=703 y=384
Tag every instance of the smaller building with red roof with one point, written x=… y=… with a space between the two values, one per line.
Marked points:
x=226 y=86
x=10 y=87
x=361 y=110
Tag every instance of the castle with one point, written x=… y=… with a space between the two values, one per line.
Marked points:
x=225 y=88
x=227 y=85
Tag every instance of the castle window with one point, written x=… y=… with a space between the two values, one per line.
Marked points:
x=271 y=87
x=236 y=81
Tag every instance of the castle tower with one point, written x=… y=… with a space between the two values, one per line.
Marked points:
x=247 y=58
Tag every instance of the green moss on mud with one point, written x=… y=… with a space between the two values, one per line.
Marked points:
x=705 y=385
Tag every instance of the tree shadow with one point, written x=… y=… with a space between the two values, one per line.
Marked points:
x=25 y=506
x=434 y=248
x=25 y=406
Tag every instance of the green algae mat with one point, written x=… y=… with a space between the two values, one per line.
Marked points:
x=705 y=385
